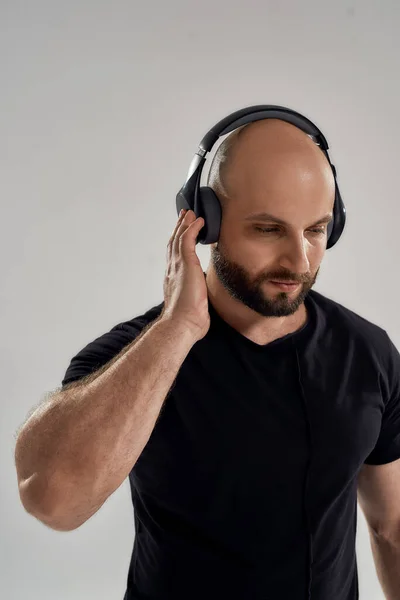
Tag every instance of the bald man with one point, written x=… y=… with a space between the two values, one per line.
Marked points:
x=271 y=167
x=248 y=410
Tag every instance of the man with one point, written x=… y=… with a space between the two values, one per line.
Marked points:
x=241 y=409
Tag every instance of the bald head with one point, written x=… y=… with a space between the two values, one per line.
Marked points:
x=267 y=155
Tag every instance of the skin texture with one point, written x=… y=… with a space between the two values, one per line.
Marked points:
x=270 y=166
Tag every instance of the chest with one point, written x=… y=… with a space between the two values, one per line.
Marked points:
x=246 y=428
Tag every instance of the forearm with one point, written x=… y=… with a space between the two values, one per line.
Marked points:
x=387 y=563
x=83 y=445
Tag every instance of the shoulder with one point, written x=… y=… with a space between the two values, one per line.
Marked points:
x=366 y=346
x=99 y=351
x=135 y=325
x=349 y=323
x=125 y=332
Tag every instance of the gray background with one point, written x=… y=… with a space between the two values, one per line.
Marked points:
x=102 y=106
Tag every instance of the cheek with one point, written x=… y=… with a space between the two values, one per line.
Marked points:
x=248 y=252
x=318 y=253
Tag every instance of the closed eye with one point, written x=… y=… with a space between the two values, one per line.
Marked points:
x=272 y=229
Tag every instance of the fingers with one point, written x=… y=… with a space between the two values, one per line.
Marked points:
x=171 y=239
x=185 y=238
x=184 y=222
x=179 y=221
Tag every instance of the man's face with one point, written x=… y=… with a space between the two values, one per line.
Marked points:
x=294 y=183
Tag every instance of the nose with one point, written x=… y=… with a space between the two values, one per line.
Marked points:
x=294 y=255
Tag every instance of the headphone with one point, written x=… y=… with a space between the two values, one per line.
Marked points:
x=204 y=202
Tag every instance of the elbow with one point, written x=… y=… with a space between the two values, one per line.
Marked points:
x=42 y=505
x=31 y=495
x=54 y=513
x=42 y=496
x=51 y=522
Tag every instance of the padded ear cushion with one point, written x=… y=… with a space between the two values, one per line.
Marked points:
x=210 y=209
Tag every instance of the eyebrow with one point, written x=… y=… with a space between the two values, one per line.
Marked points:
x=263 y=216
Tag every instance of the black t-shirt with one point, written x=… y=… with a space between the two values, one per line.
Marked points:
x=247 y=487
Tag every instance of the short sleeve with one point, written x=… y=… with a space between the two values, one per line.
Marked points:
x=104 y=348
x=387 y=447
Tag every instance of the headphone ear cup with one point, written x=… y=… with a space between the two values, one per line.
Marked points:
x=336 y=226
x=209 y=207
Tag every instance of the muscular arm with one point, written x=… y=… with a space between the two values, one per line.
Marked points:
x=78 y=448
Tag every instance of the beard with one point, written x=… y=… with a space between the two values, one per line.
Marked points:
x=240 y=286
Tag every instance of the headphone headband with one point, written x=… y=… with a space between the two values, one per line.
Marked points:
x=257 y=113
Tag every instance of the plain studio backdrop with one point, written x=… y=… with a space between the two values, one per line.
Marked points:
x=102 y=107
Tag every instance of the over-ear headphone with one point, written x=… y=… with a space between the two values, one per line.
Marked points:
x=203 y=200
